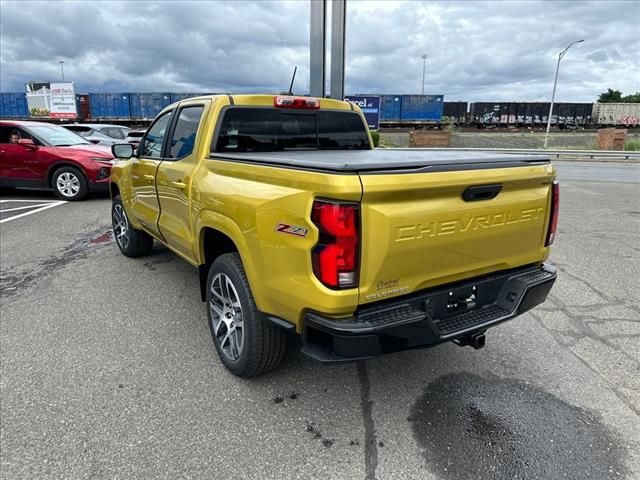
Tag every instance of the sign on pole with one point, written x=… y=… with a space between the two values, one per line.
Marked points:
x=51 y=100
x=63 y=101
x=370 y=107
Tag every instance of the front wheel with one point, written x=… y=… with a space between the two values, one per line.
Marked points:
x=246 y=344
x=131 y=242
x=69 y=183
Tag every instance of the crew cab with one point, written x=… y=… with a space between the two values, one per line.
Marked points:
x=297 y=225
x=46 y=156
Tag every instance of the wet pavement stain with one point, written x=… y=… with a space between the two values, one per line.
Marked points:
x=18 y=281
x=474 y=427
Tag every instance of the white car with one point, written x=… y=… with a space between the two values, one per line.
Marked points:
x=134 y=137
x=98 y=133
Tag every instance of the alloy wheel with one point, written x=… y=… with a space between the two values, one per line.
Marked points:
x=121 y=226
x=68 y=184
x=226 y=316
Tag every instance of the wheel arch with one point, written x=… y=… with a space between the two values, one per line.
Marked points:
x=114 y=189
x=217 y=235
x=64 y=163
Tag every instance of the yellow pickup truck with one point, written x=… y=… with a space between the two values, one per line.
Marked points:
x=299 y=226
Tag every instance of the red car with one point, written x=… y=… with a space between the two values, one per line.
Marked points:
x=42 y=155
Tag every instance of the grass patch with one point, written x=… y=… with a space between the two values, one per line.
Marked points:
x=632 y=145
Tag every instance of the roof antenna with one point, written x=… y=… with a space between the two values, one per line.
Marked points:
x=290 y=92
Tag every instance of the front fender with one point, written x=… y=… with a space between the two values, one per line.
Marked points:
x=121 y=178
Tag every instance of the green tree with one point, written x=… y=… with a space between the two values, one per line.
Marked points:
x=635 y=98
x=610 y=96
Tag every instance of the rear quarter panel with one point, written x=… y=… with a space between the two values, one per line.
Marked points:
x=247 y=202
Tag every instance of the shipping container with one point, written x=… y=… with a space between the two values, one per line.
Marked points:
x=83 y=107
x=390 y=108
x=411 y=108
x=178 y=97
x=148 y=105
x=616 y=114
x=422 y=108
x=13 y=105
x=109 y=105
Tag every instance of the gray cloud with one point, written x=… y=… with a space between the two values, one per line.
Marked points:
x=477 y=50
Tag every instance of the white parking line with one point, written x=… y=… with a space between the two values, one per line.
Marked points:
x=40 y=209
x=2 y=210
x=19 y=200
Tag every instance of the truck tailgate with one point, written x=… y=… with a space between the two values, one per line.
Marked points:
x=418 y=231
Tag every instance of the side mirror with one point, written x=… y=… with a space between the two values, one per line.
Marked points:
x=28 y=143
x=123 y=151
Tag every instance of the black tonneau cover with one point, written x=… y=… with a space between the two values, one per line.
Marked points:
x=384 y=160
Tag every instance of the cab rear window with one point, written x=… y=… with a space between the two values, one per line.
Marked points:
x=247 y=129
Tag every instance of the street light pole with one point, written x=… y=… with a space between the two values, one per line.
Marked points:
x=553 y=95
x=62 y=69
x=424 y=64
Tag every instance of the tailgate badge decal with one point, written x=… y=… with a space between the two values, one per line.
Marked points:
x=291 y=229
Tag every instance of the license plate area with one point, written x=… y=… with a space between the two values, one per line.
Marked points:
x=456 y=301
x=461 y=300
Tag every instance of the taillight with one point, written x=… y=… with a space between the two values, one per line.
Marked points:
x=336 y=256
x=553 y=217
x=296 y=102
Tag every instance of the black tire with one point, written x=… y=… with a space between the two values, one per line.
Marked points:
x=263 y=344
x=69 y=184
x=131 y=242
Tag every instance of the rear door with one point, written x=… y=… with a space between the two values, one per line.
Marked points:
x=174 y=179
x=426 y=229
x=144 y=199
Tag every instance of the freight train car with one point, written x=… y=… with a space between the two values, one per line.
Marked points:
x=13 y=105
x=83 y=107
x=455 y=112
x=495 y=114
x=178 y=97
x=145 y=106
x=401 y=110
x=616 y=114
x=110 y=106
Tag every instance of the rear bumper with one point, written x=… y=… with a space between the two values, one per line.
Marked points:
x=451 y=312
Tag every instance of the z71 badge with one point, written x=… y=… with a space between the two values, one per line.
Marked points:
x=291 y=229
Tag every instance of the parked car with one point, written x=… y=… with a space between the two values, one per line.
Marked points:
x=91 y=135
x=298 y=225
x=100 y=134
x=42 y=155
x=134 y=137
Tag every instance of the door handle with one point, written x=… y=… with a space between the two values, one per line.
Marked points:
x=149 y=177
x=179 y=185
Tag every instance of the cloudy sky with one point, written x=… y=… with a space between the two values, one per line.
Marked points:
x=477 y=50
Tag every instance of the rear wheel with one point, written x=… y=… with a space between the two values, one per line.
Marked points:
x=69 y=183
x=131 y=242
x=246 y=344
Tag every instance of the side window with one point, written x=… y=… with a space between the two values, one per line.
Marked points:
x=184 y=135
x=7 y=132
x=151 y=146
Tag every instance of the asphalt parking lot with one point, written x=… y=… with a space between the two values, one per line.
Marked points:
x=108 y=370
